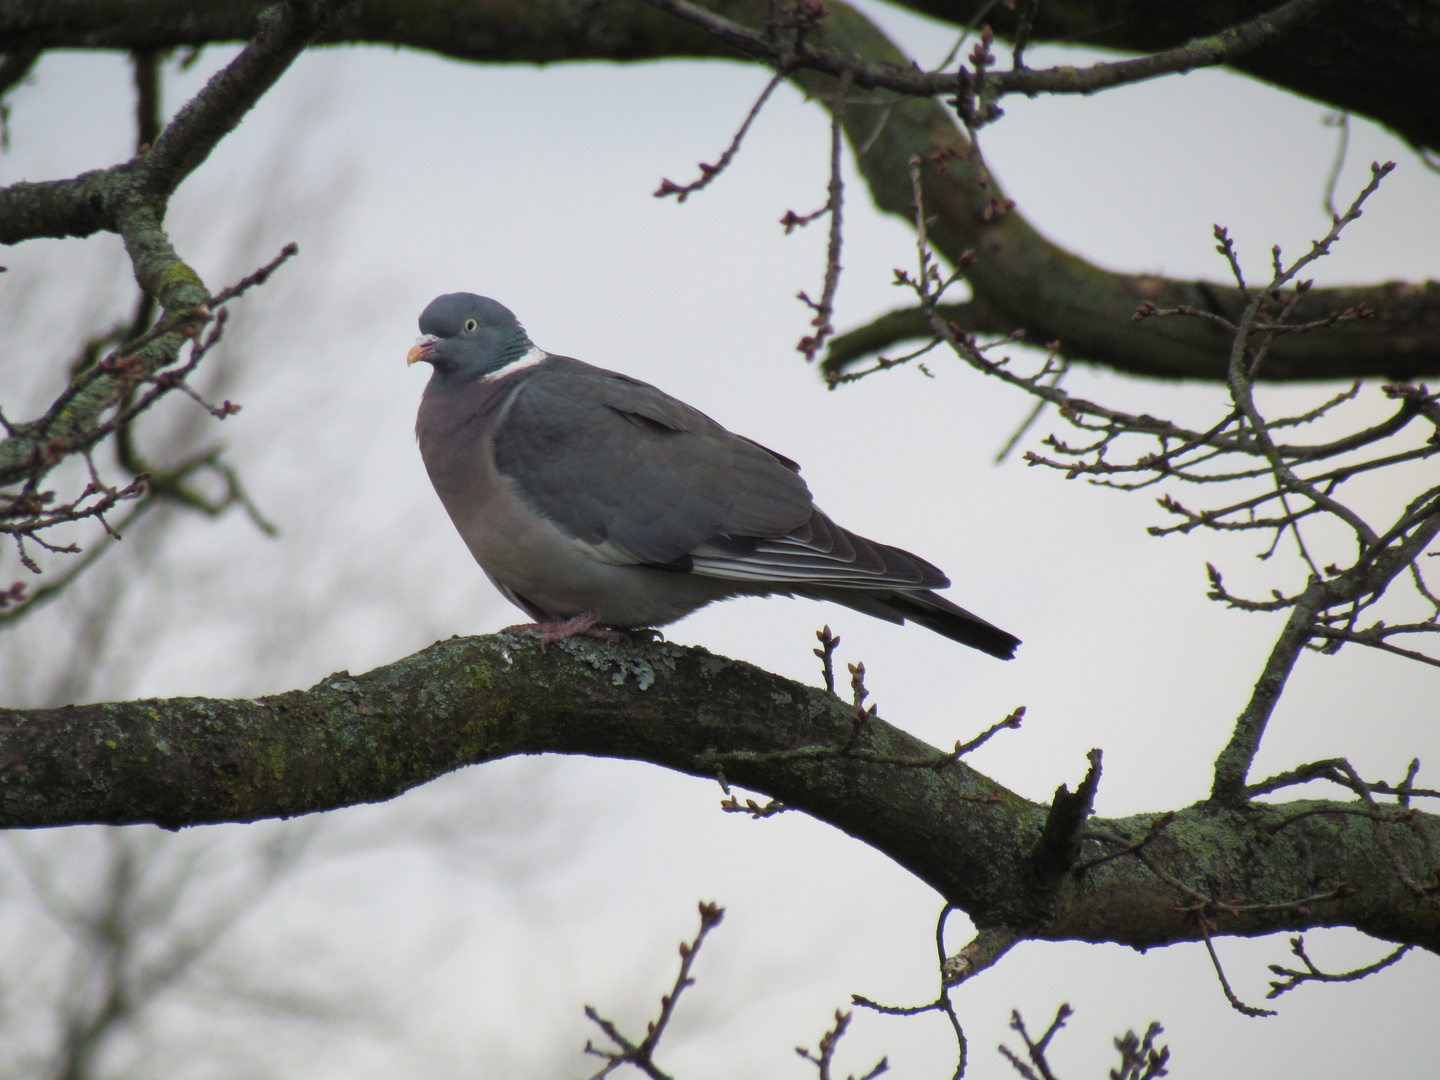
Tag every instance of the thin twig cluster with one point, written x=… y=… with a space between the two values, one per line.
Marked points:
x=105 y=395
x=1204 y=910
x=942 y=1002
x=29 y=507
x=852 y=748
x=793 y=39
x=1140 y=1058
x=641 y=1055
x=1299 y=482
x=823 y=1058
x=795 y=23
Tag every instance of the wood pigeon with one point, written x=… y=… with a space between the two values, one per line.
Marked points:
x=597 y=503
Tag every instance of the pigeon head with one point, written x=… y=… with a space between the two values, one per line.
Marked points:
x=467 y=337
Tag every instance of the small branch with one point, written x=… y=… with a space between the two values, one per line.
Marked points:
x=825 y=308
x=824 y=1056
x=147 y=98
x=1314 y=974
x=1406 y=790
x=1233 y=763
x=1326 y=769
x=1140 y=1059
x=1022 y=33
x=986 y=948
x=1219 y=48
x=1035 y=1049
x=1235 y=1003
x=981 y=952
x=1383 y=842
x=1011 y=721
x=850 y=750
x=1058 y=847
x=1399 y=817
x=641 y=1055
x=1321 y=247
x=1373 y=639
x=710 y=172
x=786 y=52
x=828 y=644
x=732 y=805
x=1156 y=828
x=1341 y=121
x=1034 y=415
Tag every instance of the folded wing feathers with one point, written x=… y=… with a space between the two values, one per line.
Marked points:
x=818 y=552
x=644 y=478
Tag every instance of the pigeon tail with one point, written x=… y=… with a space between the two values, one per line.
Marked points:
x=934 y=612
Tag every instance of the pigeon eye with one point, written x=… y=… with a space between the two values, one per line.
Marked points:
x=471 y=326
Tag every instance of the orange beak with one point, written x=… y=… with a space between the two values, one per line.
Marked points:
x=423 y=345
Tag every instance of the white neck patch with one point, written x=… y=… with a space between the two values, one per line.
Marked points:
x=534 y=355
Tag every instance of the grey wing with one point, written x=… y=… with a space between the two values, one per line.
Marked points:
x=643 y=477
x=648 y=479
x=817 y=553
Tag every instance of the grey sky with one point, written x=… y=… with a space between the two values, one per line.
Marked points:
x=415 y=176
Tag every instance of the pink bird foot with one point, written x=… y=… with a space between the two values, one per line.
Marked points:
x=585 y=623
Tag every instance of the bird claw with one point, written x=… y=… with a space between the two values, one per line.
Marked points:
x=585 y=623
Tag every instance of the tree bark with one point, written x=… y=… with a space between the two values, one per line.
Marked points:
x=1007 y=861
x=1021 y=281
x=1379 y=59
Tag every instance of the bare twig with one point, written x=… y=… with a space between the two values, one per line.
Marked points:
x=851 y=750
x=1294 y=978
x=799 y=51
x=824 y=1056
x=641 y=1054
x=1031 y=418
x=27 y=511
x=710 y=172
x=1382 y=841
x=1235 y=1003
x=824 y=308
x=1035 y=1049
x=1156 y=828
x=1342 y=121
x=732 y=805
x=828 y=644
x=1141 y=1059
x=984 y=950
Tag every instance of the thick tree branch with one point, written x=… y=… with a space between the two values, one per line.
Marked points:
x=1021 y=281
x=1379 y=59
x=1370 y=576
x=1227 y=45
x=366 y=738
x=14 y=66
x=98 y=200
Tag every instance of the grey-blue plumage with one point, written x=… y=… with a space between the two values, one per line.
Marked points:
x=584 y=492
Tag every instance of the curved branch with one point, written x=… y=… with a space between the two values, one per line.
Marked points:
x=97 y=200
x=1021 y=280
x=1226 y=45
x=367 y=738
x=14 y=66
x=1379 y=59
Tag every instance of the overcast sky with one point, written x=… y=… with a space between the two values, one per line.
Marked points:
x=403 y=176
